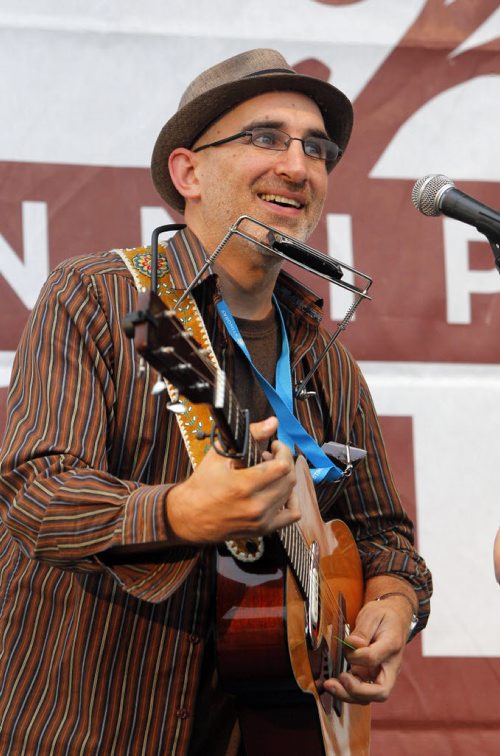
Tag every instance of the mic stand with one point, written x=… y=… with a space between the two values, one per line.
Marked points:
x=293 y=251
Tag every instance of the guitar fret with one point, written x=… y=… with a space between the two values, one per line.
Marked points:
x=255 y=454
x=237 y=428
x=301 y=560
x=249 y=456
x=285 y=539
x=305 y=565
x=296 y=556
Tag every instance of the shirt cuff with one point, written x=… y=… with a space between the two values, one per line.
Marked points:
x=155 y=573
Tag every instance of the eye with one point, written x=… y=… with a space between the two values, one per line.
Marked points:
x=269 y=138
x=314 y=148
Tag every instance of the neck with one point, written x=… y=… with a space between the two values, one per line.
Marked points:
x=247 y=273
x=247 y=286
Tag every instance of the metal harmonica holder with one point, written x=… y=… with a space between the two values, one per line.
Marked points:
x=293 y=251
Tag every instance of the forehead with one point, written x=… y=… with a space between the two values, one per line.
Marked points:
x=287 y=108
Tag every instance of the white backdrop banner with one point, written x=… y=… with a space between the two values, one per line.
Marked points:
x=86 y=88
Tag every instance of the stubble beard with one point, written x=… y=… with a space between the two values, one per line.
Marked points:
x=297 y=228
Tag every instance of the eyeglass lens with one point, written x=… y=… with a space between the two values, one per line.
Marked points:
x=274 y=139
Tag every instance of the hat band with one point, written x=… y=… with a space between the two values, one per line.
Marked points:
x=269 y=71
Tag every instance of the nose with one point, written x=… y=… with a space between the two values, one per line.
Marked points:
x=293 y=162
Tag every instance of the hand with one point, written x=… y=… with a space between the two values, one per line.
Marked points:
x=221 y=501
x=380 y=637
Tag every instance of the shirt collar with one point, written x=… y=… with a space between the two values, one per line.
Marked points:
x=186 y=256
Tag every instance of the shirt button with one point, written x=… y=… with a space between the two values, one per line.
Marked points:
x=182 y=713
x=194 y=639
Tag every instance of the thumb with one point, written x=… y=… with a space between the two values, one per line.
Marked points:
x=358 y=639
x=362 y=633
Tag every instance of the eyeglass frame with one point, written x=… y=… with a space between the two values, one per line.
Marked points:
x=330 y=164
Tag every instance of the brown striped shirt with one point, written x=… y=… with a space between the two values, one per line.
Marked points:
x=99 y=658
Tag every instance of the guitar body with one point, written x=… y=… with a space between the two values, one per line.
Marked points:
x=274 y=658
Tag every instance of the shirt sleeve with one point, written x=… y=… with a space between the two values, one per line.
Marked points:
x=370 y=505
x=62 y=495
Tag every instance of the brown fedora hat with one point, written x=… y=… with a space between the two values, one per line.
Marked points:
x=224 y=86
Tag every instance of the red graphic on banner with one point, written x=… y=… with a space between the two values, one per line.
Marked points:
x=400 y=249
x=439 y=705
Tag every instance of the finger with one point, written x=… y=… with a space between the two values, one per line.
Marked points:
x=352 y=689
x=273 y=478
x=285 y=517
x=293 y=505
x=287 y=514
x=281 y=451
x=374 y=646
x=366 y=654
x=264 y=429
x=276 y=473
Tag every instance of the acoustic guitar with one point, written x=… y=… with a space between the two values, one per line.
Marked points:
x=281 y=618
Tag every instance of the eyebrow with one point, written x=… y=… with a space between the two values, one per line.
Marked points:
x=280 y=125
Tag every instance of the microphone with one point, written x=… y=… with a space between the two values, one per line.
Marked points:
x=436 y=194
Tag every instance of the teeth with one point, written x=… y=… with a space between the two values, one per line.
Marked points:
x=280 y=199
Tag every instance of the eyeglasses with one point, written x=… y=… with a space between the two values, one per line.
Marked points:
x=315 y=147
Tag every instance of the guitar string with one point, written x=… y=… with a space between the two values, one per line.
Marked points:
x=326 y=594
x=325 y=590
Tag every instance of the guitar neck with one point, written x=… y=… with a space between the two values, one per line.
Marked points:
x=233 y=427
x=233 y=424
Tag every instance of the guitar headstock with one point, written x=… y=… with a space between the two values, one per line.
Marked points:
x=162 y=341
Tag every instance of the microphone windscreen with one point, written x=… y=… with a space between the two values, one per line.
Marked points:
x=426 y=190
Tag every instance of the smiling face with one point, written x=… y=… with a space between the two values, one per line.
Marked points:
x=284 y=189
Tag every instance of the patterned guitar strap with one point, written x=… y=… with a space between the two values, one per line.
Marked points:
x=194 y=421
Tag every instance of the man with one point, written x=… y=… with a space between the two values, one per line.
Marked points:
x=108 y=544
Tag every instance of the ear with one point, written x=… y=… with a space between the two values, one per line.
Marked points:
x=181 y=164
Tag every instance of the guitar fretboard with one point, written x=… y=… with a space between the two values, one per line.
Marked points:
x=291 y=538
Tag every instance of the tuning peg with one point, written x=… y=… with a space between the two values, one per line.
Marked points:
x=177 y=408
x=159 y=387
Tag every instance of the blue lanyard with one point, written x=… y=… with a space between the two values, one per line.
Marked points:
x=290 y=431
